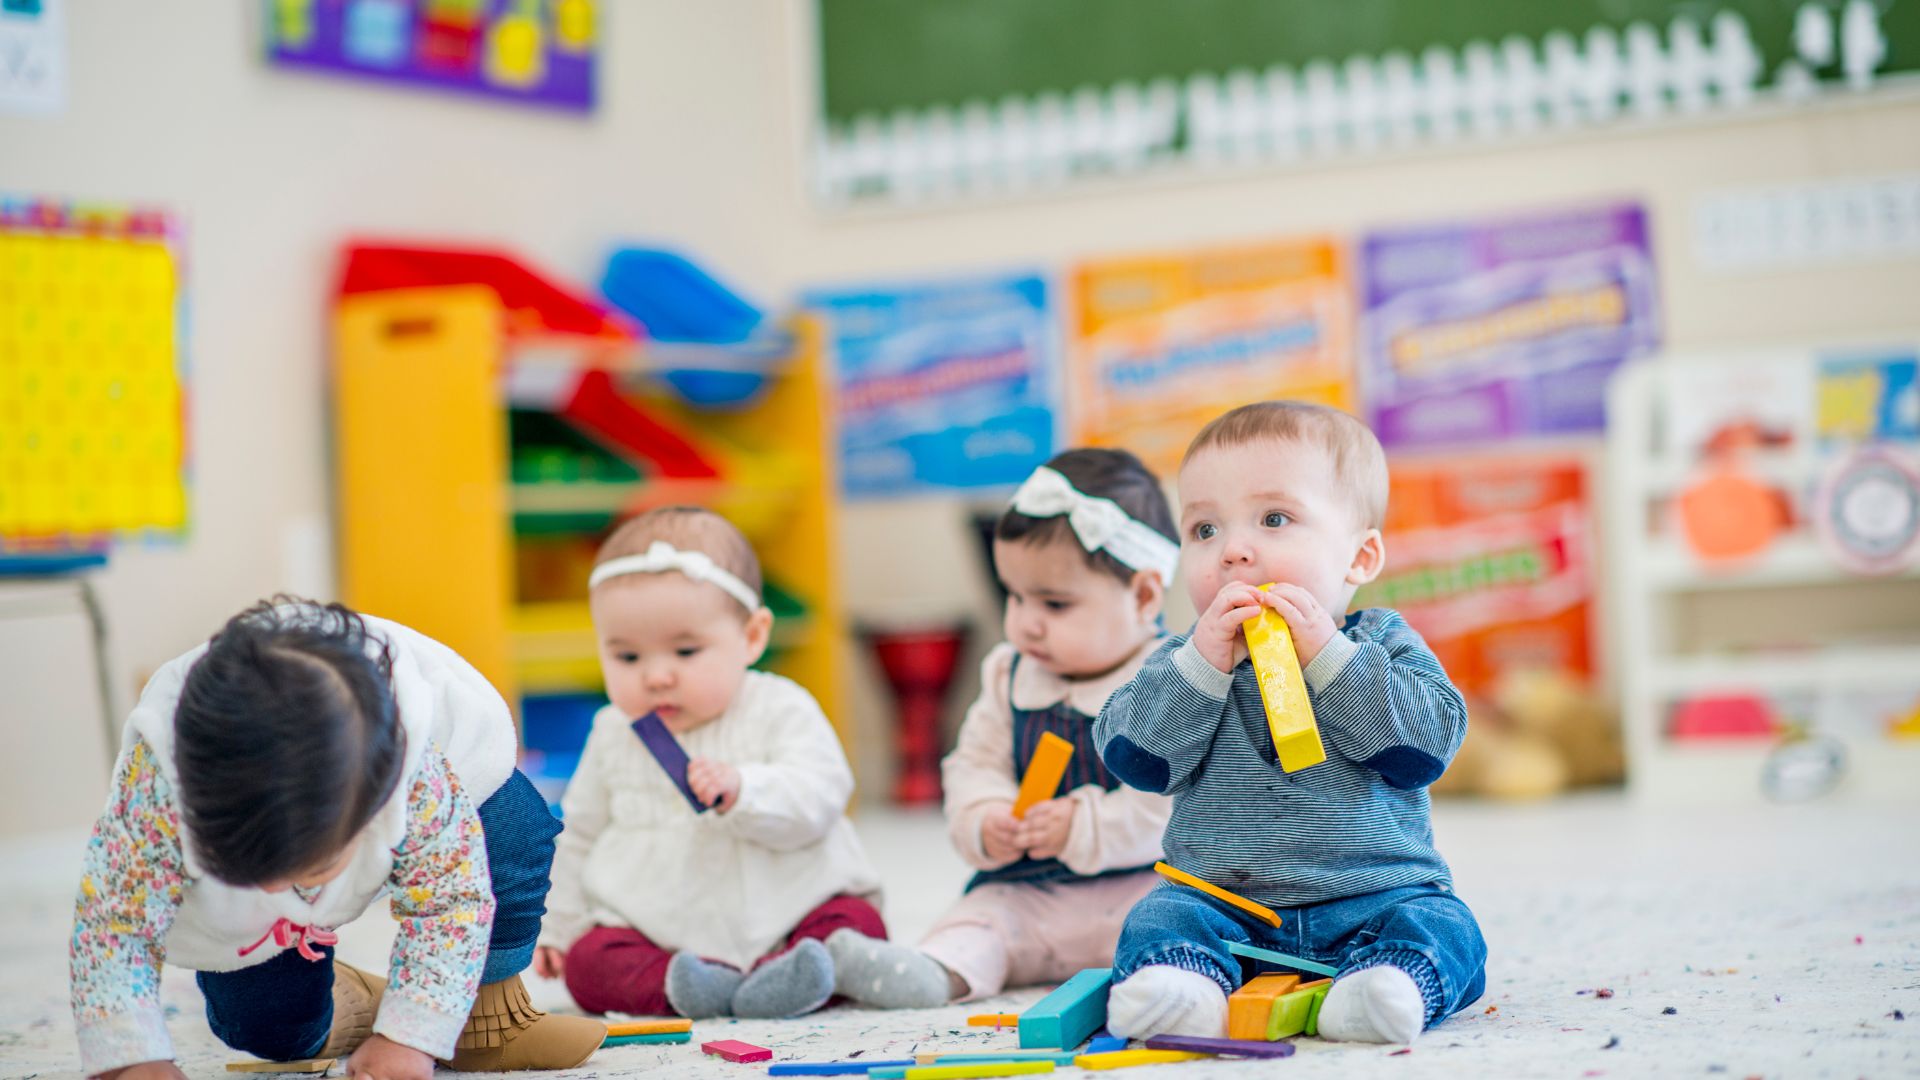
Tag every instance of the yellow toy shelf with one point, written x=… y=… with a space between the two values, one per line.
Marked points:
x=470 y=505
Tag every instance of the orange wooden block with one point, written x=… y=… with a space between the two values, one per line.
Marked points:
x=650 y=1027
x=1180 y=877
x=1044 y=770
x=1249 y=1007
x=994 y=1020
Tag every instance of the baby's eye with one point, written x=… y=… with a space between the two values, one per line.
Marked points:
x=1059 y=605
x=1205 y=531
x=627 y=657
x=1275 y=519
x=686 y=651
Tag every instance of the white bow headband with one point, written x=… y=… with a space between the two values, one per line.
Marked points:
x=1099 y=524
x=662 y=557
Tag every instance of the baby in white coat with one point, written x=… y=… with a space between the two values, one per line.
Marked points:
x=659 y=908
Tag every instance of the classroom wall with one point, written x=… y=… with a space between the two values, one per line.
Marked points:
x=698 y=143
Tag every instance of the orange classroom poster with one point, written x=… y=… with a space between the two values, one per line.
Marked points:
x=1162 y=344
x=1491 y=560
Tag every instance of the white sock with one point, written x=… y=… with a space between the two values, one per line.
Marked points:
x=1377 y=1005
x=1163 y=1000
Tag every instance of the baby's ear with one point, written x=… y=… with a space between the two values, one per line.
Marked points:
x=1149 y=594
x=1369 y=559
x=759 y=631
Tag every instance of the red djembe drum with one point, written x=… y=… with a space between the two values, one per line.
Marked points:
x=918 y=662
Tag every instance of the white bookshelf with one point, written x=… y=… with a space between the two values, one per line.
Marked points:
x=1834 y=678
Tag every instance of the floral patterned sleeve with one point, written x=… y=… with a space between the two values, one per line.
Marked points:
x=443 y=899
x=133 y=877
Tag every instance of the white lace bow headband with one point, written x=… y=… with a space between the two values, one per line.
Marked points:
x=662 y=557
x=1100 y=524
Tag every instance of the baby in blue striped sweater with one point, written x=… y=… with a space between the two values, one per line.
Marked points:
x=1343 y=851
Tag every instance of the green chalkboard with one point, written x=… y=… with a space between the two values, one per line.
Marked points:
x=881 y=55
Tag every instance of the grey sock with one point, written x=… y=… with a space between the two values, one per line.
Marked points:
x=885 y=973
x=797 y=982
x=699 y=988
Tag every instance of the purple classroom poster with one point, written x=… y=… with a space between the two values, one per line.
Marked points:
x=540 y=52
x=1486 y=331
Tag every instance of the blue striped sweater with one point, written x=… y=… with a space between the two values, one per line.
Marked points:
x=1357 y=823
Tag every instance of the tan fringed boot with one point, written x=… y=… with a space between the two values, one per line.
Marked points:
x=506 y=1033
x=356 y=998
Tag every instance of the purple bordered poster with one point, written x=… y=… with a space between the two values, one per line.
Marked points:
x=1481 y=332
x=539 y=52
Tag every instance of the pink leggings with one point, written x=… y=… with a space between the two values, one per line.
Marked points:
x=613 y=969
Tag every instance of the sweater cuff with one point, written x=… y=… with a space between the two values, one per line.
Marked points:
x=121 y=1039
x=1331 y=662
x=1200 y=673
x=421 y=1027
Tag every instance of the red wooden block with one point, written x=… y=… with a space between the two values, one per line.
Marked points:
x=735 y=1050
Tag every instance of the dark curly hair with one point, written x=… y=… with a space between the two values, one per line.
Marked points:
x=287 y=740
x=1103 y=474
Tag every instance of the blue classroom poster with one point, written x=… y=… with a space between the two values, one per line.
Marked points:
x=943 y=386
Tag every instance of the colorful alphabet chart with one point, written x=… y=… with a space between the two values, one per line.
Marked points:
x=540 y=52
x=92 y=395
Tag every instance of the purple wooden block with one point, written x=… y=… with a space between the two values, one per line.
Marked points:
x=1193 y=1044
x=666 y=750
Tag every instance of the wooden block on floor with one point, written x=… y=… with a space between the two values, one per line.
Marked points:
x=1059 y=1057
x=735 y=1050
x=1292 y=1012
x=994 y=1020
x=1250 y=1007
x=1065 y=1018
x=1256 y=1048
x=1127 y=1059
x=973 y=1070
x=648 y=1040
x=831 y=1068
x=650 y=1027
x=308 y=1065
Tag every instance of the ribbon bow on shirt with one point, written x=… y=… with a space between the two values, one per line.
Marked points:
x=286 y=932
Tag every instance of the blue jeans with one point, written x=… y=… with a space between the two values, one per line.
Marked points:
x=1423 y=930
x=282 y=1010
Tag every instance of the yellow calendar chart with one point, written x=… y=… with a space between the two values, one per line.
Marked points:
x=92 y=407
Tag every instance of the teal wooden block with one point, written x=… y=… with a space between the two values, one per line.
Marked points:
x=891 y=1072
x=1067 y=1016
x=1253 y=952
x=649 y=1040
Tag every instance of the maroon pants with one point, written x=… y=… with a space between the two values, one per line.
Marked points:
x=612 y=969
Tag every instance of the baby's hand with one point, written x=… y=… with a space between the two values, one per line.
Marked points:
x=1043 y=832
x=999 y=834
x=1216 y=634
x=715 y=783
x=380 y=1058
x=549 y=962
x=1312 y=627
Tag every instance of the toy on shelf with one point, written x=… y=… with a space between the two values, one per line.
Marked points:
x=712 y=347
x=480 y=399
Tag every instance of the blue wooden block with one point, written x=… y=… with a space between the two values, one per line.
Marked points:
x=1104 y=1043
x=1067 y=1016
x=833 y=1068
x=1063 y=1058
x=1282 y=959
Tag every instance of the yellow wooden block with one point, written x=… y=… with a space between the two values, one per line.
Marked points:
x=1044 y=771
x=1283 y=690
x=310 y=1065
x=1126 y=1059
x=1250 y=1007
x=650 y=1027
x=1181 y=877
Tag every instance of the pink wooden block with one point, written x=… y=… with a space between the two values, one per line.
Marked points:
x=735 y=1050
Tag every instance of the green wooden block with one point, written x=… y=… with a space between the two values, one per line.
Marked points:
x=1292 y=1013
x=1066 y=1017
x=1313 y=1016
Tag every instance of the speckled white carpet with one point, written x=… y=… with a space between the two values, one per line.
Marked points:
x=1779 y=941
